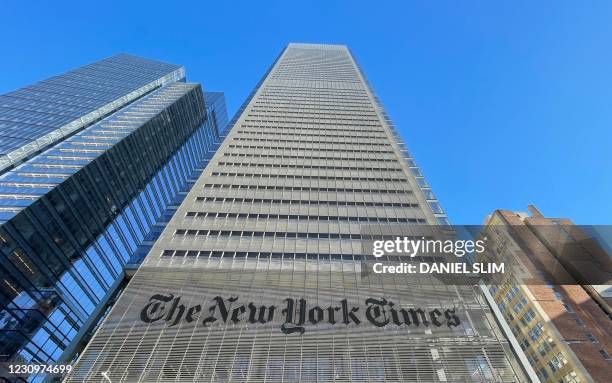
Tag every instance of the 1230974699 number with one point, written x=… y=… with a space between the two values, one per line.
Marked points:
x=29 y=369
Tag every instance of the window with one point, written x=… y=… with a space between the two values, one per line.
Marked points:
x=536 y=332
x=591 y=337
x=516 y=330
x=545 y=347
x=528 y=317
x=519 y=305
x=557 y=362
x=542 y=374
x=570 y=377
x=435 y=207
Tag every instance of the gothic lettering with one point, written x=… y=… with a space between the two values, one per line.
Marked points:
x=297 y=314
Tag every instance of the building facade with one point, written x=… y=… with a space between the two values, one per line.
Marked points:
x=93 y=163
x=257 y=277
x=562 y=324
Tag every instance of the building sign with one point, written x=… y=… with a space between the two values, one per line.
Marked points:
x=296 y=314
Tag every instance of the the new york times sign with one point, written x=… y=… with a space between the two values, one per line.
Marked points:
x=296 y=314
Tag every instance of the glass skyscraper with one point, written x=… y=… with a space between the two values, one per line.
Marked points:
x=258 y=276
x=93 y=164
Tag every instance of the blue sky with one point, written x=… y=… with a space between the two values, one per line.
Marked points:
x=501 y=104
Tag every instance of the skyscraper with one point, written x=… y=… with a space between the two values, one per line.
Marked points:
x=257 y=277
x=93 y=162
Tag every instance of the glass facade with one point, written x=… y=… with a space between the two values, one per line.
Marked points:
x=34 y=117
x=257 y=277
x=73 y=216
x=203 y=143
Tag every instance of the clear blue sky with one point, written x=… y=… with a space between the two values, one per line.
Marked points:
x=502 y=105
